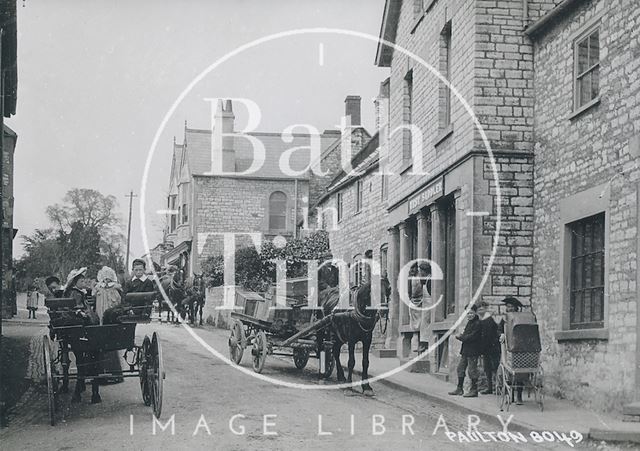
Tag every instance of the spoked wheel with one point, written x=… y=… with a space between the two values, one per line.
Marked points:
x=156 y=374
x=143 y=353
x=237 y=342
x=259 y=351
x=503 y=389
x=538 y=388
x=328 y=366
x=52 y=384
x=300 y=357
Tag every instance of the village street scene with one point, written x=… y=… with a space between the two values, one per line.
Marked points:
x=374 y=224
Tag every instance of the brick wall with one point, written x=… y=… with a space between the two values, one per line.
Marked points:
x=573 y=155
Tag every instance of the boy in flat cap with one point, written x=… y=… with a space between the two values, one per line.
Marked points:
x=470 y=351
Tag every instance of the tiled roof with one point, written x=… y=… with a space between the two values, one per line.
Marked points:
x=198 y=151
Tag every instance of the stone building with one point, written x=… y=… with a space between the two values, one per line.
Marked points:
x=443 y=184
x=587 y=185
x=270 y=201
x=8 y=71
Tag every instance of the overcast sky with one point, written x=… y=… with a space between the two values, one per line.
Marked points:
x=96 y=79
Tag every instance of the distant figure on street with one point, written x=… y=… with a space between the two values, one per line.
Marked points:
x=32 y=300
x=490 y=345
x=471 y=340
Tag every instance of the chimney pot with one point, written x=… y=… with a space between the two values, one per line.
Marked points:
x=352 y=108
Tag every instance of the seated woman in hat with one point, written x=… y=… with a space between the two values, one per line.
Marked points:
x=87 y=362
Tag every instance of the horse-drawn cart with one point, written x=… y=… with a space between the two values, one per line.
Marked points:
x=268 y=330
x=144 y=361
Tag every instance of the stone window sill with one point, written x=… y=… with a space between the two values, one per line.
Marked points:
x=406 y=166
x=584 y=108
x=444 y=134
x=582 y=334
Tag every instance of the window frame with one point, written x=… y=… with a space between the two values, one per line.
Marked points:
x=339 y=206
x=407 y=117
x=271 y=209
x=584 y=258
x=359 y=195
x=585 y=35
x=185 y=213
x=445 y=93
x=583 y=204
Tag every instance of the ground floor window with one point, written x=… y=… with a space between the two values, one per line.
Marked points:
x=587 y=269
x=442 y=354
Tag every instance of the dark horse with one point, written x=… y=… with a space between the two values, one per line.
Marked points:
x=354 y=326
x=174 y=288
x=193 y=304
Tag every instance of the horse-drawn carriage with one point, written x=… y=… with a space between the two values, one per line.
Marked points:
x=144 y=360
x=520 y=367
x=266 y=327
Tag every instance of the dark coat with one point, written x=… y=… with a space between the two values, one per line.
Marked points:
x=490 y=336
x=138 y=286
x=471 y=338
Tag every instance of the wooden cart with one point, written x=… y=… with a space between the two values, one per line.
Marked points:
x=268 y=329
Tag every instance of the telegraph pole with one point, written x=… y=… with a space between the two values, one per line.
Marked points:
x=130 y=196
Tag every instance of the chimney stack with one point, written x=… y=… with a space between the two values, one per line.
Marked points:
x=352 y=108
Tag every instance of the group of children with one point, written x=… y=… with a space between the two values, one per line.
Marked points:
x=482 y=337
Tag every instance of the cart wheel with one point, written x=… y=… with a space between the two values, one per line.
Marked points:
x=156 y=374
x=52 y=388
x=143 y=362
x=330 y=364
x=237 y=341
x=259 y=351
x=538 y=388
x=300 y=357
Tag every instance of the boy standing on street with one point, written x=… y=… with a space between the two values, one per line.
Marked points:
x=471 y=340
x=490 y=345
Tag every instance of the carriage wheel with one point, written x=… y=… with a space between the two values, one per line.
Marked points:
x=156 y=374
x=236 y=342
x=538 y=388
x=143 y=353
x=300 y=357
x=259 y=351
x=52 y=388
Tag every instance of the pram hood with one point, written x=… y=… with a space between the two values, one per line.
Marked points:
x=521 y=329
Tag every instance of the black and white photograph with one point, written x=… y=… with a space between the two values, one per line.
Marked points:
x=320 y=224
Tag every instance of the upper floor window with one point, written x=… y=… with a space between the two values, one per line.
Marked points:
x=384 y=188
x=587 y=68
x=445 y=70
x=278 y=211
x=339 y=202
x=359 y=195
x=587 y=269
x=173 y=217
x=185 y=214
x=407 y=117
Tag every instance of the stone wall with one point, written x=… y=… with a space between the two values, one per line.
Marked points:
x=360 y=231
x=594 y=150
x=239 y=205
